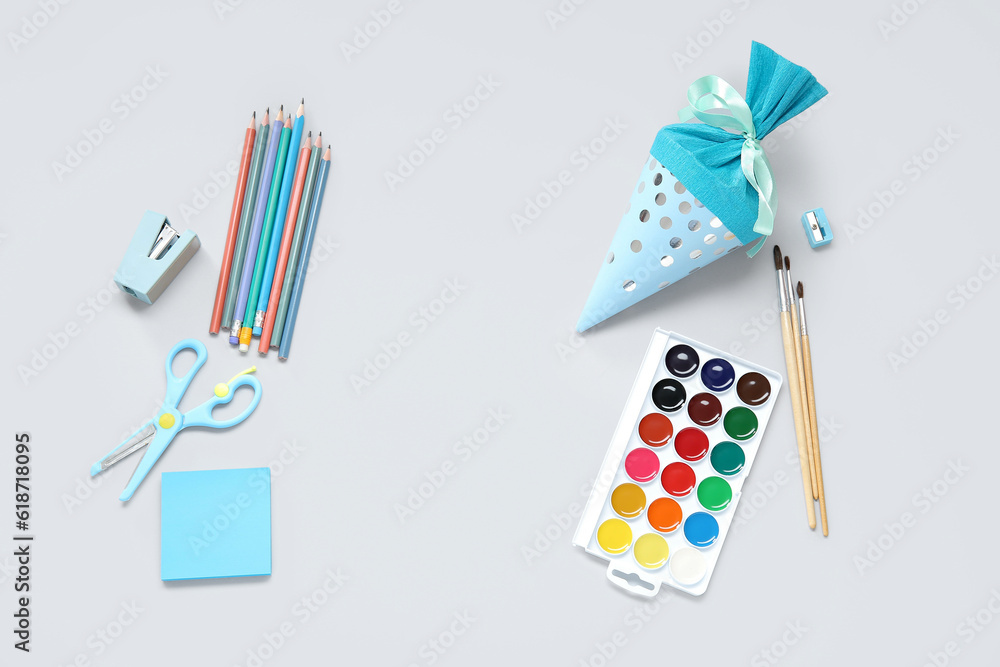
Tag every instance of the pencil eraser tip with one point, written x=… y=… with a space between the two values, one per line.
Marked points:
x=234 y=340
x=256 y=331
x=244 y=347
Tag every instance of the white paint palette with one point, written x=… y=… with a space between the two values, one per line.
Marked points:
x=668 y=489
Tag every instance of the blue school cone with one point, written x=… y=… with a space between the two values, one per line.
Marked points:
x=664 y=235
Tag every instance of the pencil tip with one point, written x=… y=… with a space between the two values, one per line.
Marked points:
x=798 y=288
x=777 y=257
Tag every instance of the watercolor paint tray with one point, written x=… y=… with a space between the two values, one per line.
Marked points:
x=670 y=483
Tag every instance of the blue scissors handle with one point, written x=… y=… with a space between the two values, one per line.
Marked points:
x=224 y=392
x=176 y=386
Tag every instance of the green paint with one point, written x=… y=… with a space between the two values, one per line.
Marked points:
x=740 y=423
x=728 y=458
x=714 y=494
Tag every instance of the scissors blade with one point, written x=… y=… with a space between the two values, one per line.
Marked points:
x=130 y=446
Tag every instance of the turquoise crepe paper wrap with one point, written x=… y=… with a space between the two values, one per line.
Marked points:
x=706 y=159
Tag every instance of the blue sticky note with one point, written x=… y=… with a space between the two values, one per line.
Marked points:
x=215 y=523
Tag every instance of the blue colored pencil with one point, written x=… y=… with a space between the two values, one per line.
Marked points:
x=255 y=228
x=274 y=243
x=300 y=275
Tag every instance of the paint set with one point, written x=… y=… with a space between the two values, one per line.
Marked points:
x=668 y=489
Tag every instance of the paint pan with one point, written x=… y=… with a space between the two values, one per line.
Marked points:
x=672 y=478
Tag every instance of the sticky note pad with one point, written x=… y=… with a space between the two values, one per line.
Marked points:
x=215 y=523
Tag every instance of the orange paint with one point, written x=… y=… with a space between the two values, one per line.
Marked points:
x=664 y=514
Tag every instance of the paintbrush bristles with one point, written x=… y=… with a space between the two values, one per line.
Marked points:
x=798 y=289
x=777 y=258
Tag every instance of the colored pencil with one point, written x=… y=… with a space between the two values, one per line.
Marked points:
x=243 y=235
x=272 y=206
x=296 y=250
x=277 y=232
x=234 y=221
x=811 y=398
x=286 y=245
x=303 y=268
x=793 y=383
x=794 y=310
x=255 y=230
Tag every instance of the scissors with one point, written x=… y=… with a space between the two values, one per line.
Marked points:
x=158 y=432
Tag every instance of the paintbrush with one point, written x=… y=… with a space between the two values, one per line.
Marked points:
x=806 y=423
x=788 y=339
x=811 y=404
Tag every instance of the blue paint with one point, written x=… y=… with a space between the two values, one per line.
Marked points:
x=701 y=529
x=718 y=374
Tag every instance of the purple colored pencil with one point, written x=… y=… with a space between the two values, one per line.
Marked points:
x=255 y=229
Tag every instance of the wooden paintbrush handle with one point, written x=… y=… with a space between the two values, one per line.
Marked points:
x=801 y=388
x=811 y=398
x=800 y=433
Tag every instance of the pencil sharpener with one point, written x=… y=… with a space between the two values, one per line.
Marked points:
x=817 y=227
x=155 y=256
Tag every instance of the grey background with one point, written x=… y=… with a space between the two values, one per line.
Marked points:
x=893 y=433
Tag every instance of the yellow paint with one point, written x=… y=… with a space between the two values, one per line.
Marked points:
x=166 y=420
x=614 y=536
x=628 y=500
x=651 y=551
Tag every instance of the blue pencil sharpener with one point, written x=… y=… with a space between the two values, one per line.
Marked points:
x=817 y=227
x=155 y=256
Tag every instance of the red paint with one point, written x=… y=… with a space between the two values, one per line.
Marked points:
x=678 y=479
x=691 y=444
x=656 y=430
x=642 y=465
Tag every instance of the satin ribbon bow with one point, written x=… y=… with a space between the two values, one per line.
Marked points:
x=710 y=93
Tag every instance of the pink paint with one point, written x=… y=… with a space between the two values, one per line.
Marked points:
x=642 y=465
